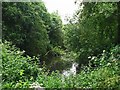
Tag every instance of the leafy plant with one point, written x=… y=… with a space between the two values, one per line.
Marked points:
x=17 y=69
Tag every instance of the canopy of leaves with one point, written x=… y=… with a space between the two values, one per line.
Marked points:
x=30 y=27
x=94 y=30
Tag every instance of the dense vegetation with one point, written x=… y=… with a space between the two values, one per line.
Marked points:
x=33 y=39
x=95 y=30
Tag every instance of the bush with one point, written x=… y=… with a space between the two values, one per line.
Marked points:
x=105 y=74
x=17 y=69
x=50 y=81
x=19 y=72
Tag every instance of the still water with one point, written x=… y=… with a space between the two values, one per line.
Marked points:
x=65 y=66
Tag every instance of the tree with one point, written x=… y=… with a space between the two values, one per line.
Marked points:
x=94 y=31
x=24 y=25
x=55 y=30
x=118 y=35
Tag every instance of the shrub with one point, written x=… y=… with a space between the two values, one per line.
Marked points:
x=17 y=69
x=19 y=72
x=105 y=75
x=106 y=72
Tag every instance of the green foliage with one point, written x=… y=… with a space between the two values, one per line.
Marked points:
x=17 y=69
x=88 y=38
x=24 y=25
x=95 y=30
x=19 y=72
x=30 y=27
x=108 y=68
x=58 y=50
x=55 y=30
x=50 y=81
x=105 y=75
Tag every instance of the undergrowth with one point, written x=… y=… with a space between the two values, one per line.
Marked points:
x=20 y=71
